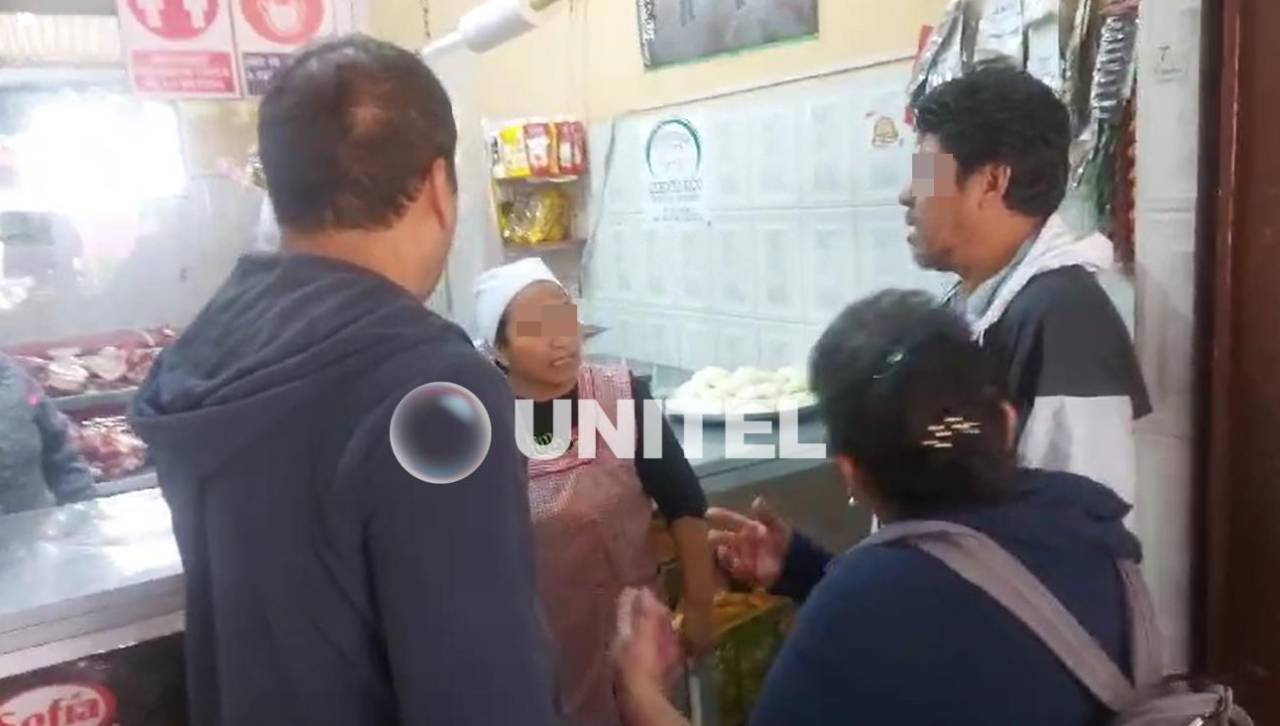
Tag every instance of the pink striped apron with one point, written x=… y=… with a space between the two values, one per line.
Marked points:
x=591 y=525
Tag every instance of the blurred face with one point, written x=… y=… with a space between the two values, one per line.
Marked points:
x=543 y=343
x=940 y=209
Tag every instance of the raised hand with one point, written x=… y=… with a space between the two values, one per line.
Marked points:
x=750 y=549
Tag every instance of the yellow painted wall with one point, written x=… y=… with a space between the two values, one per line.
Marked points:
x=398 y=21
x=586 y=60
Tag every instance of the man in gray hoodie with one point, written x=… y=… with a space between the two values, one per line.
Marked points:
x=325 y=584
x=988 y=177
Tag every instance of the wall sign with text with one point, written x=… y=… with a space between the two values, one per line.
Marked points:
x=222 y=48
x=179 y=48
x=269 y=31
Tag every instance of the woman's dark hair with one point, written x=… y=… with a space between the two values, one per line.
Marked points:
x=906 y=394
x=998 y=114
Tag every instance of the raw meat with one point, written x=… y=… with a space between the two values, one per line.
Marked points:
x=110 y=447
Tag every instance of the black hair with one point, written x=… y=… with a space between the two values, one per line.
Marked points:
x=348 y=133
x=998 y=114
x=907 y=394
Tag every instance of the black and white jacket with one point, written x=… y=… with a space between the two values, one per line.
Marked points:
x=1065 y=356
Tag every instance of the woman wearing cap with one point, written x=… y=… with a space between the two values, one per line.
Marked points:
x=591 y=515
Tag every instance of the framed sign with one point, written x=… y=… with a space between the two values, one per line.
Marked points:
x=179 y=48
x=678 y=31
x=269 y=31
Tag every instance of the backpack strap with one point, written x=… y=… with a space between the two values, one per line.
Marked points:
x=989 y=567
x=1145 y=643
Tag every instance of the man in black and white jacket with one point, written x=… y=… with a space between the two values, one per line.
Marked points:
x=989 y=174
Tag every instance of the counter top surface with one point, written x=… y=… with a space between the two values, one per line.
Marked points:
x=719 y=455
x=60 y=558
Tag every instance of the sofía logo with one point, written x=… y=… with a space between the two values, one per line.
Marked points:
x=62 y=704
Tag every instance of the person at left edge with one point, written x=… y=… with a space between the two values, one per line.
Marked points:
x=39 y=464
x=591 y=515
x=325 y=584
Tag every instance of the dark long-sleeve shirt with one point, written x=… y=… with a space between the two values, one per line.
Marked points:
x=39 y=464
x=889 y=635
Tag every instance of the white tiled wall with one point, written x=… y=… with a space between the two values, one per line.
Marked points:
x=1168 y=149
x=803 y=219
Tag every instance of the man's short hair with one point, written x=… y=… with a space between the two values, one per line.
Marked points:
x=348 y=133
x=1001 y=115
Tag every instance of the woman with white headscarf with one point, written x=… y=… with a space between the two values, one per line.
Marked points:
x=591 y=515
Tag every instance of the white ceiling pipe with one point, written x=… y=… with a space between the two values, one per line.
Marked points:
x=488 y=26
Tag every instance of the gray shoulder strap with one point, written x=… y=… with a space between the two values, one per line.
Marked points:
x=979 y=560
x=1145 y=644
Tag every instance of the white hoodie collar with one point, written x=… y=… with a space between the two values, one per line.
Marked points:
x=1056 y=247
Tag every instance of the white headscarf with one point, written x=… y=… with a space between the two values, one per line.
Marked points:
x=496 y=288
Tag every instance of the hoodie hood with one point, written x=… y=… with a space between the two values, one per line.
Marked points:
x=1056 y=246
x=277 y=334
x=1058 y=511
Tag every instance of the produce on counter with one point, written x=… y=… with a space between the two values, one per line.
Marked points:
x=111 y=448
x=744 y=391
x=750 y=630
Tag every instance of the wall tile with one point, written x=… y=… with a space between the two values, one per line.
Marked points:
x=828 y=143
x=782 y=344
x=737 y=343
x=1163 y=513
x=1169 y=105
x=662 y=253
x=775 y=176
x=1166 y=317
x=883 y=149
x=602 y=265
x=698 y=271
x=734 y=237
x=698 y=339
x=662 y=339
x=729 y=151
x=630 y=276
x=780 y=268
x=832 y=272
x=625 y=185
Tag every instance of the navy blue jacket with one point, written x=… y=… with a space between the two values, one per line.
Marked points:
x=892 y=636
x=325 y=585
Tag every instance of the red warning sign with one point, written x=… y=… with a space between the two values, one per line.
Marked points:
x=176 y=19
x=180 y=48
x=268 y=32
x=285 y=22
x=183 y=74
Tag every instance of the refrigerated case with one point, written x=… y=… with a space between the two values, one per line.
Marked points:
x=91 y=614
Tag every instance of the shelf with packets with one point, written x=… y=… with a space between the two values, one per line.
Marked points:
x=514 y=252
x=538 y=170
